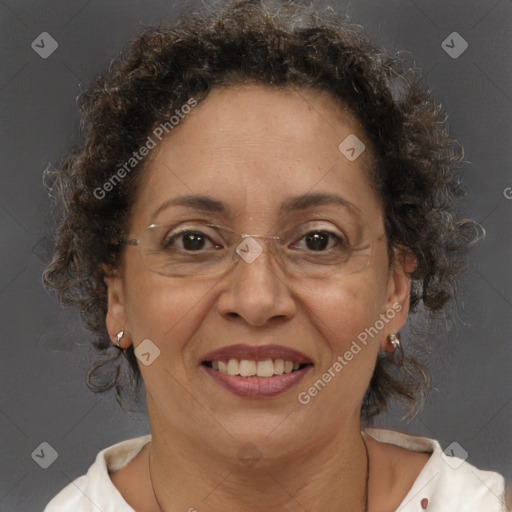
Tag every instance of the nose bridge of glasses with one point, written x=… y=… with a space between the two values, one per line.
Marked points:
x=270 y=237
x=252 y=246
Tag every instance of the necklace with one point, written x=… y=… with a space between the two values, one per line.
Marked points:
x=367 y=479
x=152 y=485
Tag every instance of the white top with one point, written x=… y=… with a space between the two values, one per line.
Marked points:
x=446 y=483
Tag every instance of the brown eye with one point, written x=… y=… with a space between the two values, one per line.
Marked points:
x=188 y=240
x=317 y=241
x=320 y=241
x=193 y=241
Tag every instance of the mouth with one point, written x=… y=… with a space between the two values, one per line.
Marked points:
x=251 y=368
x=256 y=372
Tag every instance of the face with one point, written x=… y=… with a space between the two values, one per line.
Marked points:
x=253 y=149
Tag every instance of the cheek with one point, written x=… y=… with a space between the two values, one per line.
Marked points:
x=161 y=308
x=345 y=309
x=343 y=316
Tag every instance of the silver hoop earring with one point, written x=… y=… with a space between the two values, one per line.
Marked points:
x=394 y=340
x=120 y=334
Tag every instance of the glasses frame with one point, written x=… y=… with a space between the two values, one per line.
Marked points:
x=136 y=242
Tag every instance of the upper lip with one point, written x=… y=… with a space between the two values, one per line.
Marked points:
x=256 y=353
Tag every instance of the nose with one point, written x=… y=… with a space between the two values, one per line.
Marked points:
x=256 y=291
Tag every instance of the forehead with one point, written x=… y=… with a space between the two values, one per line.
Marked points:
x=254 y=148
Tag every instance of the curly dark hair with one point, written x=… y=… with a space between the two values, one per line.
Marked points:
x=279 y=44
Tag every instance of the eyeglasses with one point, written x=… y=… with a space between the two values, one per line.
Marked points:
x=205 y=250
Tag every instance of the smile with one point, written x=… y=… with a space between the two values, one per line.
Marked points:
x=250 y=368
x=256 y=371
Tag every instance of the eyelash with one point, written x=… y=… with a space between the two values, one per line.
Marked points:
x=171 y=240
x=337 y=238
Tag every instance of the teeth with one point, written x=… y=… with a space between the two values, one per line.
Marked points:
x=233 y=367
x=265 y=368
x=248 y=368
x=279 y=366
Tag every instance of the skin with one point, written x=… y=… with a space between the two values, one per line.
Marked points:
x=253 y=147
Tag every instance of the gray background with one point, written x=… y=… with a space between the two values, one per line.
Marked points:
x=44 y=349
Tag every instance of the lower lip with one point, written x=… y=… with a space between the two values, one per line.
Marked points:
x=258 y=387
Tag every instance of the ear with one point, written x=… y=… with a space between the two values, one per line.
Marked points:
x=116 y=313
x=398 y=294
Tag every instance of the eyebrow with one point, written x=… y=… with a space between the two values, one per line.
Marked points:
x=311 y=200
x=195 y=202
x=303 y=202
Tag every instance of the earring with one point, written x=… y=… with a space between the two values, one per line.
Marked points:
x=394 y=340
x=120 y=334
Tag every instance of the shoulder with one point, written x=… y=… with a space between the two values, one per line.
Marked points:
x=95 y=490
x=446 y=482
x=456 y=482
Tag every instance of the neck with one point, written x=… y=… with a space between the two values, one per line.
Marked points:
x=332 y=476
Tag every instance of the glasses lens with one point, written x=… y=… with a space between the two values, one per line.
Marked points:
x=311 y=249
x=185 y=250
x=325 y=252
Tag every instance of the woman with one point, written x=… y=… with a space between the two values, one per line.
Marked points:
x=260 y=200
